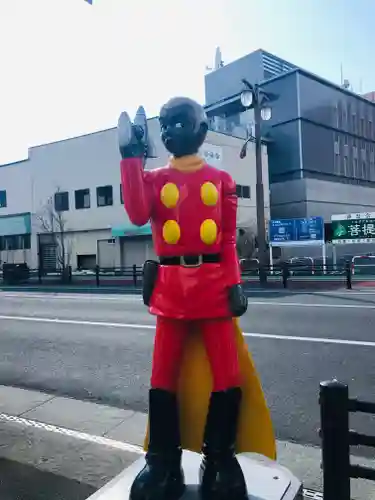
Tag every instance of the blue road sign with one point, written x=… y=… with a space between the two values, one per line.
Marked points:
x=288 y=232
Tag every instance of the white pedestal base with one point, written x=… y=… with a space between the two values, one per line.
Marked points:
x=266 y=480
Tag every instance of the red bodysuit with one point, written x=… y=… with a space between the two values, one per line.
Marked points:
x=192 y=207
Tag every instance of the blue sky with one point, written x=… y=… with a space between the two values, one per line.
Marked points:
x=69 y=68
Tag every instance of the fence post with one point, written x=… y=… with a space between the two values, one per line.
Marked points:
x=262 y=275
x=134 y=275
x=97 y=275
x=285 y=274
x=334 y=418
x=348 y=275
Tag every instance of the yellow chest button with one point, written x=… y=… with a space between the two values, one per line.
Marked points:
x=208 y=231
x=169 y=195
x=209 y=194
x=171 y=232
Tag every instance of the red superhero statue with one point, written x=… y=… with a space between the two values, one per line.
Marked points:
x=195 y=284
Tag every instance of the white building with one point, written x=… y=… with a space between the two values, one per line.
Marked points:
x=84 y=172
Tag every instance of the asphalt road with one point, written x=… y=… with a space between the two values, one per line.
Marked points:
x=86 y=347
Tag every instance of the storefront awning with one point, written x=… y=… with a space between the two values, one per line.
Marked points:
x=15 y=224
x=131 y=230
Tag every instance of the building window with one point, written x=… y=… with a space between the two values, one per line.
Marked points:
x=82 y=198
x=345 y=160
x=121 y=195
x=243 y=191
x=335 y=116
x=355 y=168
x=363 y=172
x=354 y=123
x=61 y=201
x=336 y=165
x=3 y=199
x=362 y=130
x=104 y=196
x=15 y=242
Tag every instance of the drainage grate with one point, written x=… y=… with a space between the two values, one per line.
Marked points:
x=312 y=495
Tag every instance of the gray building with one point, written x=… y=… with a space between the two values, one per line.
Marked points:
x=321 y=137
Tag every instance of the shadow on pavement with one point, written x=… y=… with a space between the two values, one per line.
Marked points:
x=23 y=482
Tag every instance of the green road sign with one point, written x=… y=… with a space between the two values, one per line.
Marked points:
x=353 y=228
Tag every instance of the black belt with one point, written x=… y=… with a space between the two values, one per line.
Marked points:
x=190 y=260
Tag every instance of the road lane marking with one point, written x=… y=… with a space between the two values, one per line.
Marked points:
x=303 y=304
x=137 y=326
x=77 y=322
x=78 y=296
x=83 y=436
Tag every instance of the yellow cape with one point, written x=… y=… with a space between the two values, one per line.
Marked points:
x=255 y=431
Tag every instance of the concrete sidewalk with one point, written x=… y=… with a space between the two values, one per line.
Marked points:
x=92 y=443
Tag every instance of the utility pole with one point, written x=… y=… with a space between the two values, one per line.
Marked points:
x=255 y=98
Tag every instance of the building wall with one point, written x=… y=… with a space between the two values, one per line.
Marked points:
x=323 y=149
x=255 y=67
x=342 y=125
x=315 y=197
x=288 y=199
x=284 y=149
x=226 y=81
x=16 y=180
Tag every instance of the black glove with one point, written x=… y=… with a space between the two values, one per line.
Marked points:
x=131 y=138
x=237 y=301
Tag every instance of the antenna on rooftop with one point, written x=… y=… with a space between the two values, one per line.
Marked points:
x=218 y=63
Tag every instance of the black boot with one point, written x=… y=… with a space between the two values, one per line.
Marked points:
x=162 y=477
x=221 y=476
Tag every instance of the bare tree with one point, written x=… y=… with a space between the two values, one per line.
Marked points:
x=53 y=222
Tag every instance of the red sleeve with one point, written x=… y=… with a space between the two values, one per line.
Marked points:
x=229 y=223
x=136 y=190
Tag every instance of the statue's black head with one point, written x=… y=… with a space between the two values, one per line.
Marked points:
x=183 y=125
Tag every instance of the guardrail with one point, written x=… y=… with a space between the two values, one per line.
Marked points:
x=336 y=438
x=282 y=275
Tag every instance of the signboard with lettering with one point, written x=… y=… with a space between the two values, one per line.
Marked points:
x=212 y=154
x=297 y=232
x=353 y=228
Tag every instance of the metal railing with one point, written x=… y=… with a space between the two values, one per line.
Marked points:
x=284 y=274
x=336 y=439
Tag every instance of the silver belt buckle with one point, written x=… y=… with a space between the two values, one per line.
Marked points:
x=198 y=264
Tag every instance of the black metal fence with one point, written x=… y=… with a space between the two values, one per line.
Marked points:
x=284 y=275
x=124 y=276
x=336 y=437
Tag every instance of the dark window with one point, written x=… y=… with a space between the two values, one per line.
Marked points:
x=61 y=201
x=243 y=191
x=362 y=122
x=15 y=242
x=246 y=192
x=3 y=199
x=121 y=195
x=82 y=198
x=104 y=196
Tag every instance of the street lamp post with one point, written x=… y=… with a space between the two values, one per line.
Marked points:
x=254 y=97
